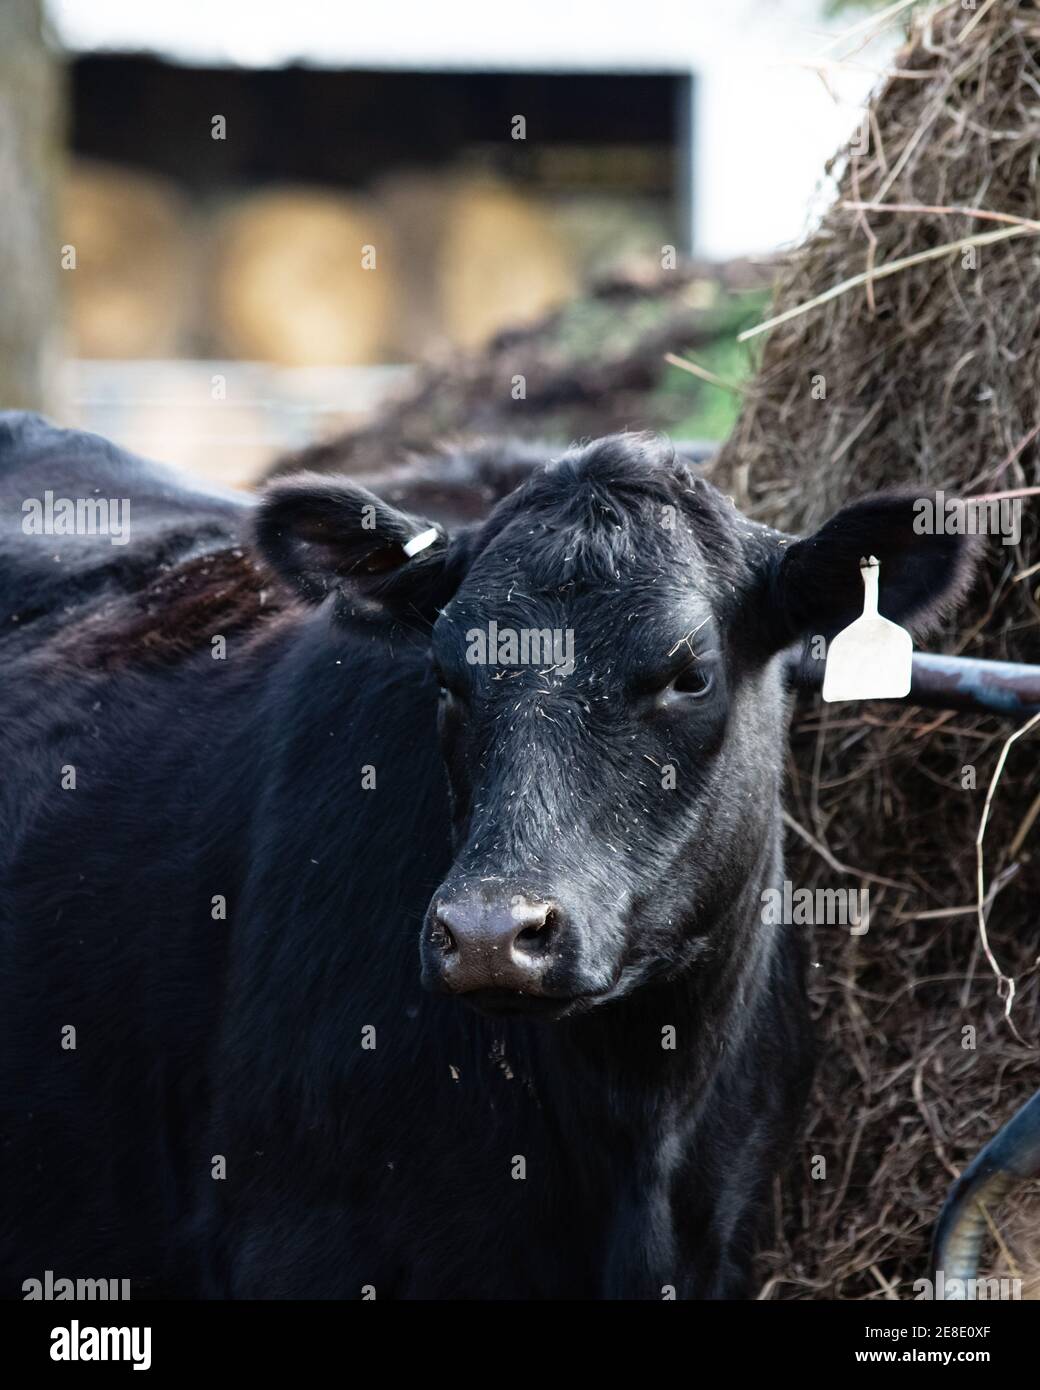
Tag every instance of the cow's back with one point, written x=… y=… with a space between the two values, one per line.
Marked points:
x=47 y=578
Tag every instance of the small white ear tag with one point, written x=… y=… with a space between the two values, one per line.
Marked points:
x=421 y=542
x=872 y=658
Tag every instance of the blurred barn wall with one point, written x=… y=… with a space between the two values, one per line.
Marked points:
x=247 y=243
x=261 y=254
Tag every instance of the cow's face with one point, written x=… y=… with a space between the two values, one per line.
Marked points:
x=611 y=709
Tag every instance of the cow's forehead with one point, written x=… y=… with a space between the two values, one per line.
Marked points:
x=626 y=630
x=645 y=602
x=547 y=555
x=630 y=554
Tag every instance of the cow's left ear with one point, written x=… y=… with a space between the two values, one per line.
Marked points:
x=329 y=535
x=816 y=585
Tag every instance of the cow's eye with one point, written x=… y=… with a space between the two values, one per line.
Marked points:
x=447 y=689
x=694 y=680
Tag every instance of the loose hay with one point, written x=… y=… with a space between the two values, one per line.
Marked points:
x=932 y=379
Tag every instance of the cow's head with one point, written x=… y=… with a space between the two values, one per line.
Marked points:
x=611 y=709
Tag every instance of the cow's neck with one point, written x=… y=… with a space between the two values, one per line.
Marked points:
x=619 y=1060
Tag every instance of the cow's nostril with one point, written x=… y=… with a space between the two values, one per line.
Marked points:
x=441 y=935
x=535 y=938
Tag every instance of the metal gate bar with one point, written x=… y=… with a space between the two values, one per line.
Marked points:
x=952 y=682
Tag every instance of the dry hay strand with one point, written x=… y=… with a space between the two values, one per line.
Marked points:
x=932 y=379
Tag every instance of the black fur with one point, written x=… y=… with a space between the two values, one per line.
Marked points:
x=645 y=1168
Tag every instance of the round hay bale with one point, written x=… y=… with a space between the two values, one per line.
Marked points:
x=129 y=293
x=290 y=285
x=500 y=262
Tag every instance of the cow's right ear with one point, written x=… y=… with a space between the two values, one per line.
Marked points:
x=816 y=586
x=331 y=536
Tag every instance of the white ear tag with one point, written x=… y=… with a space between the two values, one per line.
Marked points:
x=872 y=658
x=421 y=542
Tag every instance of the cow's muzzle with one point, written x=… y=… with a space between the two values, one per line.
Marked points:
x=499 y=948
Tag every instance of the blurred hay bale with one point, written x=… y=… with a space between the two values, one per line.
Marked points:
x=500 y=262
x=289 y=282
x=932 y=379
x=130 y=289
x=503 y=260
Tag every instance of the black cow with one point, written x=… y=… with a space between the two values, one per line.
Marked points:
x=276 y=870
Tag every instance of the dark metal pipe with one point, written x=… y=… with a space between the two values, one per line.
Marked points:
x=1011 y=1157
x=952 y=682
